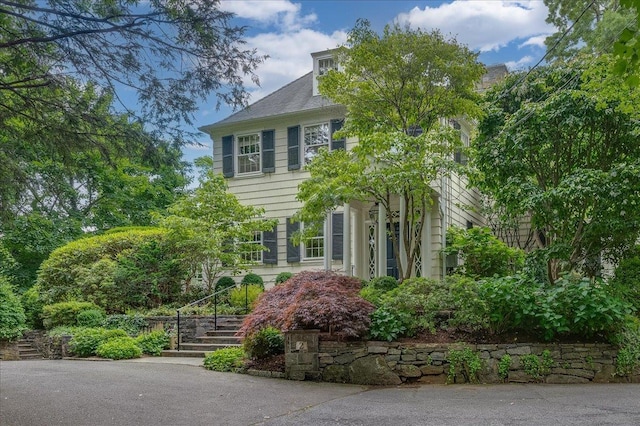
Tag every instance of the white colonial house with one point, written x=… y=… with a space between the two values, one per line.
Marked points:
x=262 y=151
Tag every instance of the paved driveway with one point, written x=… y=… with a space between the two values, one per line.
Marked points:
x=34 y=393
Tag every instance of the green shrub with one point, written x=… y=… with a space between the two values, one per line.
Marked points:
x=65 y=313
x=245 y=295
x=373 y=295
x=32 y=304
x=225 y=282
x=64 y=330
x=282 y=277
x=463 y=362
x=85 y=342
x=252 y=279
x=504 y=365
x=483 y=254
x=507 y=303
x=265 y=343
x=387 y=325
x=12 y=318
x=90 y=318
x=470 y=311
x=628 y=341
x=626 y=281
x=153 y=343
x=119 y=348
x=225 y=359
x=383 y=283
x=132 y=324
x=537 y=366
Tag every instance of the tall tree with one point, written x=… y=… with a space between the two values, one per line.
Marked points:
x=172 y=53
x=568 y=157
x=396 y=88
x=212 y=230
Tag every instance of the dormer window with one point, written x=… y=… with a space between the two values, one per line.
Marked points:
x=325 y=65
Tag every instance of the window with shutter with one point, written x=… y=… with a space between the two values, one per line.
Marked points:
x=337 y=143
x=270 y=241
x=336 y=235
x=293 y=252
x=293 y=148
x=268 y=151
x=227 y=156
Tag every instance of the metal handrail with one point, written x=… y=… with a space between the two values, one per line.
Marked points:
x=215 y=307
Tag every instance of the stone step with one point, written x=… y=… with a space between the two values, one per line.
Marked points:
x=181 y=353
x=206 y=347
x=223 y=340
x=229 y=333
x=25 y=357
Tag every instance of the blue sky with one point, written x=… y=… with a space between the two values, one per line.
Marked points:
x=510 y=32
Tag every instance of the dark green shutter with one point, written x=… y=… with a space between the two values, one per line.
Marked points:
x=336 y=235
x=227 y=156
x=293 y=252
x=337 y=143
x=293 y=148
x=270 y=241
x=268 y=151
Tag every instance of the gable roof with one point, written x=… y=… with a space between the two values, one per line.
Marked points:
x=294 y=97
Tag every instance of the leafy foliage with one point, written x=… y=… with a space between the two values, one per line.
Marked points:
x=263 y=344
x=383 y=283
x=119 y=348
x=312 y=300
x=33 y=304
x=563 y=151
x=65 y=313
x=463 y=362
x=212 y=229
x=153 y=343
x=132 y=324
x=626 y=281
x=393 y=108
x=119 y=270
x=628 y=340
x=85 y=342
x=504 y=365
x=229 y=359
x=12 y=318
x=537 y=366
x=90 y=318
x=245 y=296
x=388 y=325
x=282 y=277
x=483 y=255
x=252 y=279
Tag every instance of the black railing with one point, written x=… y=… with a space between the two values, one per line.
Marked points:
x=215 y=307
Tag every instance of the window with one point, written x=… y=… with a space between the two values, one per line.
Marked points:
x=315 y=137
x=325 y=65
x=253 y=249
x=314 y=246
x=248 y=153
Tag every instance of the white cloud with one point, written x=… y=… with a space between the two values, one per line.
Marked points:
x=289 y=56
x=281 y=13
x=482 y=25
x=520 y=64
x=537 y=41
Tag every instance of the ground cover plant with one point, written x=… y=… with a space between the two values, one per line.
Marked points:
x=119 y=348
x=229 y=359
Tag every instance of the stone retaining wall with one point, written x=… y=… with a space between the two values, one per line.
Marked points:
x=393 y=363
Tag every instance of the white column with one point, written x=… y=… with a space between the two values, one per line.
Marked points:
x=328 y=246
x=346 y=240
x=401 y=235
x=426 y=251
x=381 y=243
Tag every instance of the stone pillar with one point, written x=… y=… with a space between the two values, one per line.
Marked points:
x=301 y=355
x=346 y=241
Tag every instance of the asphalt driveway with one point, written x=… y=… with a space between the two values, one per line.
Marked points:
x=34 y=393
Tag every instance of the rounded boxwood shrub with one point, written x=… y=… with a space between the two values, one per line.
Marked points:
x=265 y=343
x=254 y=279
x=90 y=318
x=225 y=359
x=65 y=313
x=282 y=277
x=85 y=342
x=383 y=283
x=153 y=343
x=12 y=318
x=119 y=348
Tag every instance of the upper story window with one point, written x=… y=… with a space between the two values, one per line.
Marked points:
x=325 y=65
x=249 y=153
x=315 y=137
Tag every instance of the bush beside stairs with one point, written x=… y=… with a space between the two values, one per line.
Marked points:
x=212 y=340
